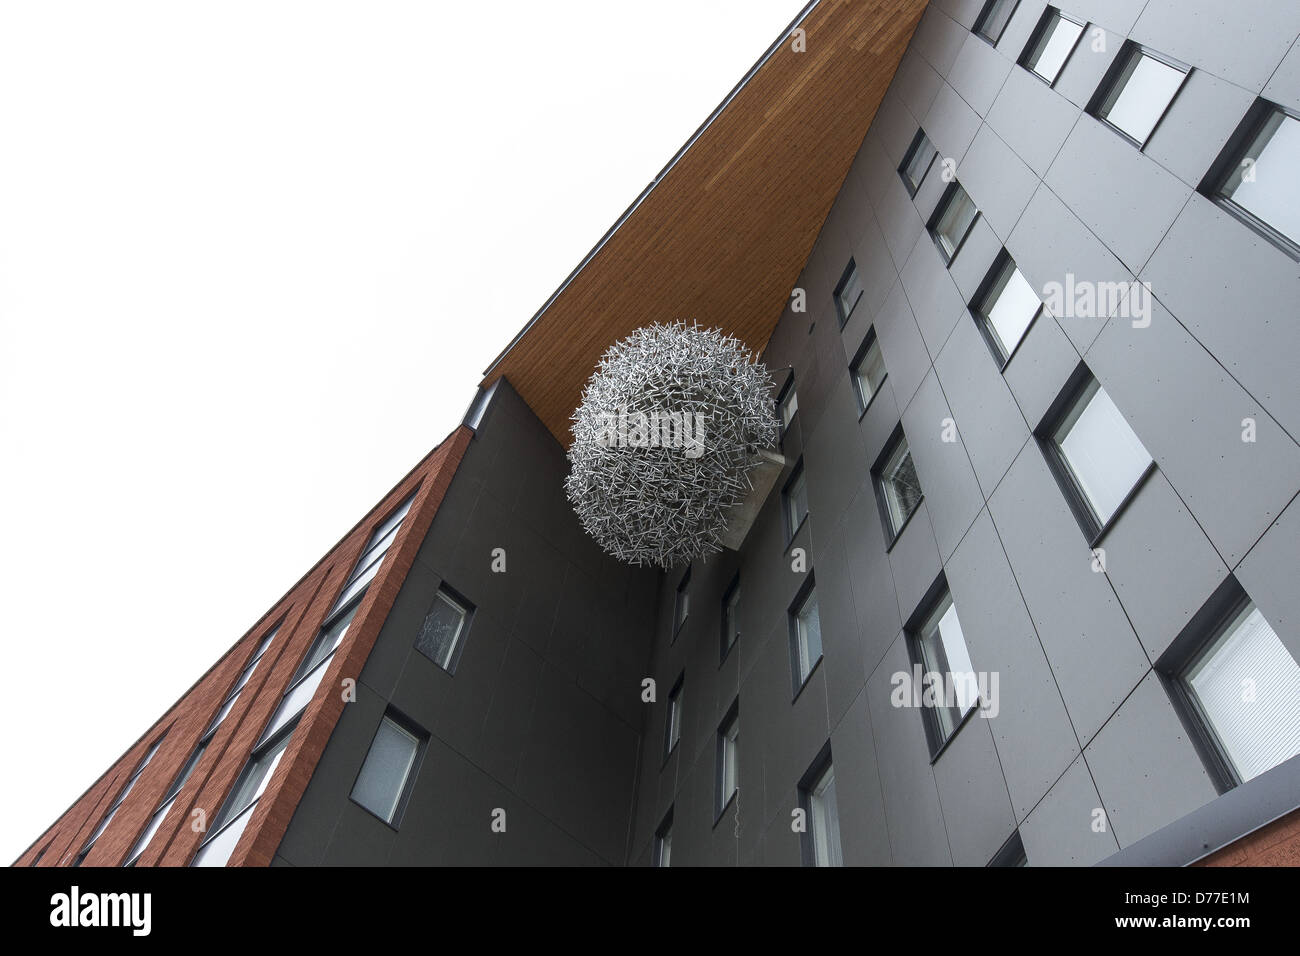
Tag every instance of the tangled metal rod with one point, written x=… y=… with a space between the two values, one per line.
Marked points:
x=663 y=442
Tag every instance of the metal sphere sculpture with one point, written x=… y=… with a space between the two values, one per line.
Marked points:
x=668 y=429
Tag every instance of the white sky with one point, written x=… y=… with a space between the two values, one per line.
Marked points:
x=253 y=259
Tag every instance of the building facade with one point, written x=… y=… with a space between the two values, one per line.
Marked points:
x=1036 y=378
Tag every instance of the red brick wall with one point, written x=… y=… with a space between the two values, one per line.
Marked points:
x=1277 y=844
x=301 y=613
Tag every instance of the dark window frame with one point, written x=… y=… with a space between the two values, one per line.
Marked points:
x=1228 y=163
x=917 y=140
x=1039 y=34
x=727 y=597
x=674 y=707
x=841 y=313
x=982 y=21
x=932 y=225
x=723 y=801
x=681 y=604
x=977 y=304
x=1206 y=626
x=1011 y=853
x=224 y=818
x=820 y=764
x=786 y=391
x=1110 y=84
x=470 y=609
x=1090 y=523
x=664 y=829
x=868 y=340
x=791 y=529
x=892 y=534
x=408 y=785
x=912 y=633
x=806 y=590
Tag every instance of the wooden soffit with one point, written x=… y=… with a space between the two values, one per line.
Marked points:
x=723 y=234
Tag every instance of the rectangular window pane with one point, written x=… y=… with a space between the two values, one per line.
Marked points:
x=956 y=220
x=296 y=699
x=216 y=852
x=869 y=373
x=1009 y=307
x=383 y=775
x=1267 y=186
x=327 y=641
x=943 y=652
x=918 y=161
x=1143 y=91
x=994 y=19
x=789 y=405
x=441 y=631
x=1054 y=45
x=848 y=291
x=664 y=846
x=809 y=631
x=730 y=620
x=796 y=502
x=674 y=718
x=901 y=487
x=1104 y=454
x=729 y=779
x=254 y=779
x=825 y=822
x=1248 y=686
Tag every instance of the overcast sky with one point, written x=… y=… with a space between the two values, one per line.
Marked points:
x=254 y=257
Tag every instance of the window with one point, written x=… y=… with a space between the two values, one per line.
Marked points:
x=238 y=809
x=372 y=557
x=847 y=292
x=1053 y=41
x=821 y=843
x=169 y=797
x=1097 y=458
x=1012 y=853
x=787 y=404
x=805 y=635
x=1254 y=177
x=796 y=501
x=993 y=19
x=952 y=221
x=898 y=492
x=731 y=615
x=663 y=848
x=728 y=781
x=224 y=710
x=939 y=646
x=1005 y=306
x=673 y=726
x=441 y=635
x=310 y=672
x=920 y=157
x=867 y=370
x=117 y=801
x=388 y=772
x=1137 y=91
x=682 y=603
x=1237 y=686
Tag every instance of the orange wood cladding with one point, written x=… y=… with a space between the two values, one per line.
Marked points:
x=723 y=237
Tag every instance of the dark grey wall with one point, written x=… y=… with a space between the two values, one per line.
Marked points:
x=543 y=715
x=1085 y=722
